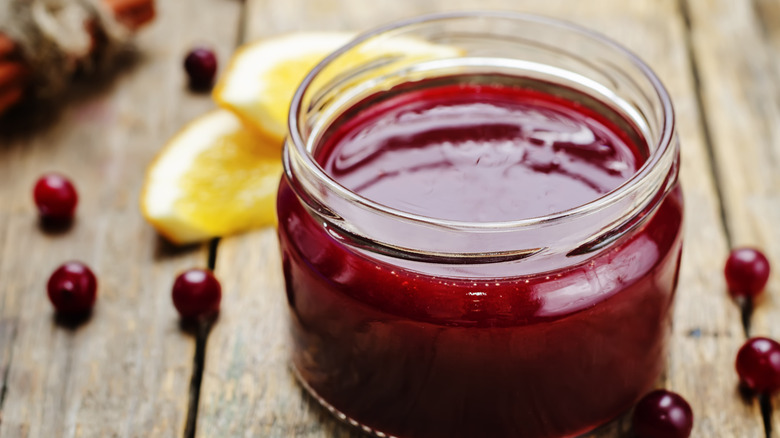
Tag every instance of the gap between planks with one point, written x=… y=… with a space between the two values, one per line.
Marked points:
x=746 y=306
x=685 y=13
x=203 y=329
x=7 y=371
x=201 y=332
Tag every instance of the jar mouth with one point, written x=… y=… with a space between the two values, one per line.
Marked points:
x=658 y=149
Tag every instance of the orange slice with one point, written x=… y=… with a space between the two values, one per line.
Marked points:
x=215 y=177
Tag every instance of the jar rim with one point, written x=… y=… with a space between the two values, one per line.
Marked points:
x=663 y=144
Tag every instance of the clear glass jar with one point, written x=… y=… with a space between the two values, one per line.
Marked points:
x=413 y=325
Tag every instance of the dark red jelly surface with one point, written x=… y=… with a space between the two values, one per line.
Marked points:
x=412 y=354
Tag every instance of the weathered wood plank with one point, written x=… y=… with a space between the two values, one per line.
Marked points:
x=126 y=371
x=737 y=46
x=707 y=326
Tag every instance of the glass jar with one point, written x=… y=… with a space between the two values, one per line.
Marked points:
x=413 y=325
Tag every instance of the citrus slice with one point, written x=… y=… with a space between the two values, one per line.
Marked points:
x=261 y=79
x=213 y=178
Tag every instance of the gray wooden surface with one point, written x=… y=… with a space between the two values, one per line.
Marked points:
x=132 y=371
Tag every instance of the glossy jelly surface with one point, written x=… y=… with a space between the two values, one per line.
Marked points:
x=412 y=354
x=479 y=153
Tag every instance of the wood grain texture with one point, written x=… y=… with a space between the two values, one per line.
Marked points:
x=126 y=371
x=247 y=388
x=737 y=46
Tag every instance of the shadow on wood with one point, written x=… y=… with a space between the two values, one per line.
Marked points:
x=72 y=322
x=164 y=249
x=54 y=227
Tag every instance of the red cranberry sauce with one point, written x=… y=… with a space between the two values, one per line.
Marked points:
x=414 y=354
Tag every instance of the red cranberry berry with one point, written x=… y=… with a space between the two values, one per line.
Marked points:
x=55 y=197
x=747 y=271
x=72 y=288
x=758 y=365
x=196 y=293
x=201 y=66
x=663 y=414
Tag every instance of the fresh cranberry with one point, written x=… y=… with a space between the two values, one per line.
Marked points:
x=663 y=414
x=55 y=197
x=201 y=66
x=747 y=271
x=196 y=293
x=758 y=365
x=72 y=288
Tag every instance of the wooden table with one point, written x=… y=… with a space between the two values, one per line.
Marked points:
x=132 y=371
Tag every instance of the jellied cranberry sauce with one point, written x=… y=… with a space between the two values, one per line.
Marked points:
x=414 y=354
